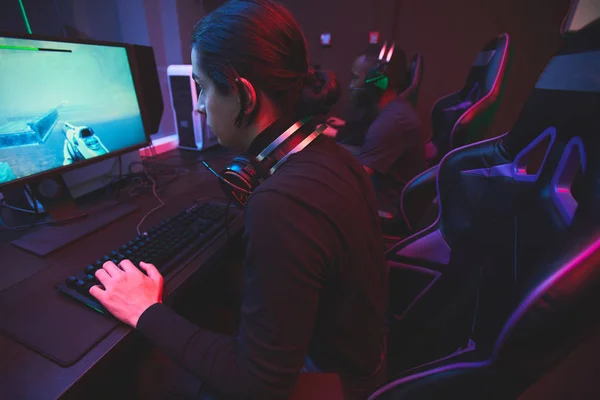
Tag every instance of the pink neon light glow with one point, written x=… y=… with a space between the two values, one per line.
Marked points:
x=589 y=251
x=382 y=52
x=390 y=53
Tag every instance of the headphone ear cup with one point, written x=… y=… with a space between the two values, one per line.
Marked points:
x=239 y=174
x=382 y=83
x=377 y=78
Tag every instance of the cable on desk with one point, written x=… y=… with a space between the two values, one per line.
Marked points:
x=36 y=212
x=6 y=205
x=161 y=205
x=33 y=199
x=138 y=178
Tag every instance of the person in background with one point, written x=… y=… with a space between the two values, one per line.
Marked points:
x=383 y=131
x=315 y=278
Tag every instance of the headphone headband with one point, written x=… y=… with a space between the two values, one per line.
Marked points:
x=282 y=138
x=377 y=76
x=299 y=147
x=245 y=173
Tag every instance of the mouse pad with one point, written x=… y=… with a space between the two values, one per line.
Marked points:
x=58 y=328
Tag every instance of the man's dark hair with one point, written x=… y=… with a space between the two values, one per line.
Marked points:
x=260 y=41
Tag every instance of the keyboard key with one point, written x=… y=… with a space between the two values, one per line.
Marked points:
x=72 y=281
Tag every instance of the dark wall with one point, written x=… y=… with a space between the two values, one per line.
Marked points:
x=98 y=20
x=88 y=18
x=11 y=18
x=189 y=12
x=449 y=34
x=43 y=17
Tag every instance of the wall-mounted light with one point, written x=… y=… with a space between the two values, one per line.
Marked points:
x=326 y=39
x=373 y=37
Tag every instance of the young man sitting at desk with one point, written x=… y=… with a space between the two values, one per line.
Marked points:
x=315 y=280
x=383 y=130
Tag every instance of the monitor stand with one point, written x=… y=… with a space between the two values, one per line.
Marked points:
x=71 y=222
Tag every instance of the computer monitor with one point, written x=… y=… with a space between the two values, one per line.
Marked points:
x=65 y=104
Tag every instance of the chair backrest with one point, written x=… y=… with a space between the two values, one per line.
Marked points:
x=509 y=202
x=555 y=316
x=511 y=209
x=415 y=77
x=581 y=13
x=465 y=116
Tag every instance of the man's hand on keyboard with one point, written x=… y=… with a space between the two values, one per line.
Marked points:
x=127 y=292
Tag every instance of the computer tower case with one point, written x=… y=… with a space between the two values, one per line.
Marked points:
x=191 y=127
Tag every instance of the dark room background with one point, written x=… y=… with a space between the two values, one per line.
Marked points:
x=448 y=34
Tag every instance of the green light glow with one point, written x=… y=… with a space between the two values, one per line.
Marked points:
x=25 y=17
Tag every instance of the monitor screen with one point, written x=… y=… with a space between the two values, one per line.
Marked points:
x=62 y=104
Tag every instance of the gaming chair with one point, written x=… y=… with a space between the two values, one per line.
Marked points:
x=548 y=333
x=460 y=124
x=465 y=116
x=510 y=208
x=415 y=76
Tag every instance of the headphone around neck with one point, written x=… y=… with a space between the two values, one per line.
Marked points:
x=246 y=172
x=377 y=76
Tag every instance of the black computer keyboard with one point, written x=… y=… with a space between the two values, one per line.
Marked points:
x=163 y=245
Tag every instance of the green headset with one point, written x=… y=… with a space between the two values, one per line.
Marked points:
x=377 y=76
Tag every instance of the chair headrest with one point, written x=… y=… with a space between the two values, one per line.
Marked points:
x=566 y=96
x=488 y=66
x=581 y=14
x=415 y=70
x=484 y=58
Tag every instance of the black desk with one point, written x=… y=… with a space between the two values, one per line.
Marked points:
x=24 y=374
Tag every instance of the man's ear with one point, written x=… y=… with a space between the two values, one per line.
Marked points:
x=249 y=96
